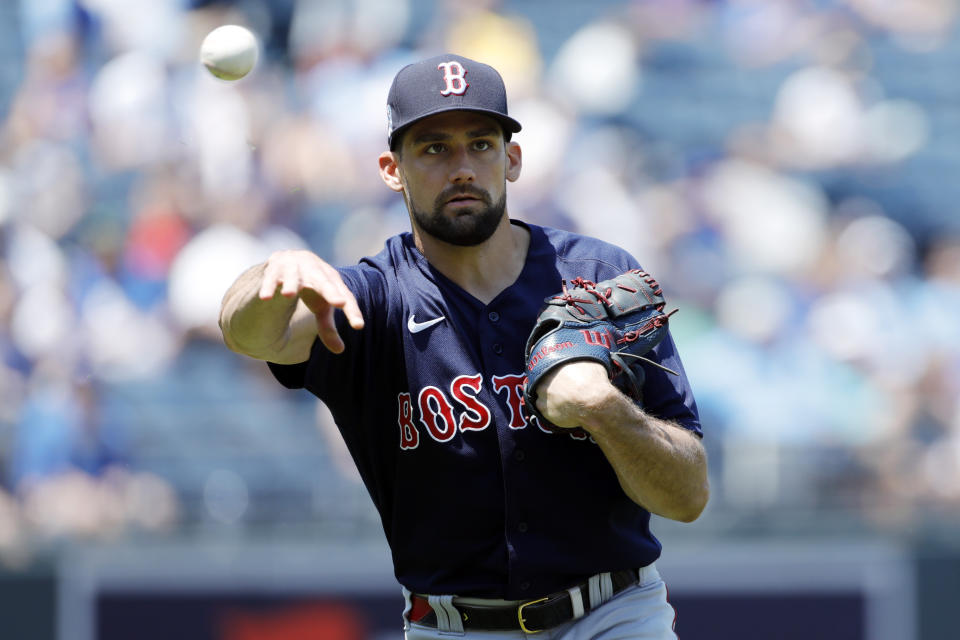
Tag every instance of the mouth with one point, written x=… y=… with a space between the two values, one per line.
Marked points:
x=464 y=199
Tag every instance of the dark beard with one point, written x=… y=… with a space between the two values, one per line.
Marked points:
x=467 y=229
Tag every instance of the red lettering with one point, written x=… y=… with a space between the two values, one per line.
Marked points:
x=477 y=415
x=548 y=349
x=437 y=412
x=599 y=338
x=430 y=397
x=409 y=436
x=514 y=386
x=540 y=426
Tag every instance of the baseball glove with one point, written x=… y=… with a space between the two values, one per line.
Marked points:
x=614 y=322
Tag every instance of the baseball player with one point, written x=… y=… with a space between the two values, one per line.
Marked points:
x=499 y=526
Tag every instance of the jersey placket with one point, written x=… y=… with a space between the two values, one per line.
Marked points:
x=501 y=351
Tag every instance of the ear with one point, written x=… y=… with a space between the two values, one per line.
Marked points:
x=390 y=170
x=514 y=161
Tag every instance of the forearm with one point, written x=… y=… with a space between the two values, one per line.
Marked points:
x=661 y=466
x=252 y=326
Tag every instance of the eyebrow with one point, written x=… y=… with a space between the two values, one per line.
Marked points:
x=436 y=136
x=482 y=133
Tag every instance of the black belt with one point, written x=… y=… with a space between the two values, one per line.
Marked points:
x=529 y=617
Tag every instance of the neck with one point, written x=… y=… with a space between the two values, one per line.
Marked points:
x=483 y=270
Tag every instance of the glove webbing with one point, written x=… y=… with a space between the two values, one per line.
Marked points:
x=604 y=297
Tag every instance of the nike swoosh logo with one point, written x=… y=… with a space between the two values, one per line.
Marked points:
x=417 y=327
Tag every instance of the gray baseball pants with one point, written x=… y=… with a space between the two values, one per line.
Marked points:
x=640 y=612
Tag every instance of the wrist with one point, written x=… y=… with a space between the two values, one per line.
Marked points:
x=607 y=408
x=254 y=324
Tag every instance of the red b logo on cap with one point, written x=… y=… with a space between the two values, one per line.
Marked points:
x=453 y=75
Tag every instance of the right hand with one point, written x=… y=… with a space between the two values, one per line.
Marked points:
x=305 y=275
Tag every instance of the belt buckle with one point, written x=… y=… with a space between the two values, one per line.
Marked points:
x=523 y=626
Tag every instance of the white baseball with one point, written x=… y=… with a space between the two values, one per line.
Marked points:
x=229 y=52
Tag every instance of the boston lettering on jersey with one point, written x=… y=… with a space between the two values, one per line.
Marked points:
x=442 y=419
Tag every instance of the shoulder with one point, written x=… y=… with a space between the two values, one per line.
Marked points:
x=382 y=278
x=381 y=268
x=582 y=251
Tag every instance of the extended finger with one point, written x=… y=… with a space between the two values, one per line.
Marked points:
x=352 y=310
x=317 y=293
x=331 y=278
x=347 y=300
x=327 y=331
x=271 y=278
x=290 y=279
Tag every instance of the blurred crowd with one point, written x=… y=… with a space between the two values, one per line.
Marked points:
x=754 y=155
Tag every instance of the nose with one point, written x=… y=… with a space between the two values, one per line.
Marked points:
x=462 y=170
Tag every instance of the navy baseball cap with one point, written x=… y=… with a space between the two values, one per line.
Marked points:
x=446 y=83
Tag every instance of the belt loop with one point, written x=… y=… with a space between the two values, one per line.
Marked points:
x=606 y=586
x=648 y=574
x=593 y=584
x=407 y=607
x=576 y=601
x=601 y=589
x=448 y=617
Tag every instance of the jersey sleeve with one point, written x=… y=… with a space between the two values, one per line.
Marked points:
x=366 y=284
x=669 y=396
x=291 y=376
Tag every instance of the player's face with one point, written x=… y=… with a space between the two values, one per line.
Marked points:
x=454 y=167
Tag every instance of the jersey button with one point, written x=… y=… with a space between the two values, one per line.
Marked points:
x=519 y=455
x=522 y=527
x=497 y=348
x=494 y=316
x=524 y=586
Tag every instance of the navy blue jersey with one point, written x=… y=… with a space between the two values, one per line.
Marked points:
x=476 y=501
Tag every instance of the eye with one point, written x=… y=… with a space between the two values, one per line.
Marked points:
x=434 y=148
x=482 y=145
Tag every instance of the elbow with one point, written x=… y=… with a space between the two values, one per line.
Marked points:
x=694 y=505
x=698 y=494
x=689 y=507
x=693 y=510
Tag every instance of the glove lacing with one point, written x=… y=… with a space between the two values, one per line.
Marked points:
x=617 y=357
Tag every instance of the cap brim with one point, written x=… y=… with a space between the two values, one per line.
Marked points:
x=508 y=123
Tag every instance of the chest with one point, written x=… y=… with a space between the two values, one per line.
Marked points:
x=463 y=363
